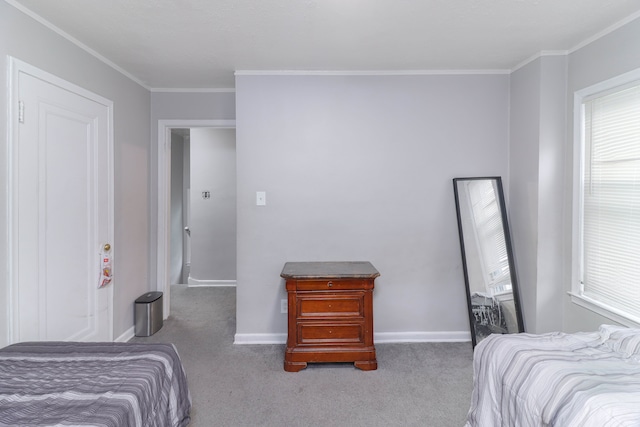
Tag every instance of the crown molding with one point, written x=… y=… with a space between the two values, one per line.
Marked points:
x=193 y=90
x=122 y=71
x=75 y=41
x=539 y=55
x=582 y=44
x=605 y=32
x=365 y=72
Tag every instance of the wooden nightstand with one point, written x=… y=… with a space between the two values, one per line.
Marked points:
x=330 y=308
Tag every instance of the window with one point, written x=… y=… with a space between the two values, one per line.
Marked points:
x=609 y=232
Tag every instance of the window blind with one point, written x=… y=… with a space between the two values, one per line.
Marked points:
x=611 y=200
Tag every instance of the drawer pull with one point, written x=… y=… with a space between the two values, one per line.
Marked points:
x=330 y=284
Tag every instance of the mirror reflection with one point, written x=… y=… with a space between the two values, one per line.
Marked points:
x=487 y=258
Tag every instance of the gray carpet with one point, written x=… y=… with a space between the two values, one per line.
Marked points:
x=423 y=384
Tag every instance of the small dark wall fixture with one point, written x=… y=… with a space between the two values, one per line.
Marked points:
x=487 y=258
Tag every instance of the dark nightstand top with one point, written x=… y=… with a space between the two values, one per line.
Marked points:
x=329 y=270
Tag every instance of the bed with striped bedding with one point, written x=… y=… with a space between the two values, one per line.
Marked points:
x=92 y=384
x=557 y=379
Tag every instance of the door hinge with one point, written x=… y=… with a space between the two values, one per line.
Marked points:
x=20 y=112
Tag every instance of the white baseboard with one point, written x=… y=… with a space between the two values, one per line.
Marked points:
x=192 y=283
x=260 y=339
x=417 y=336
x=378 y=338
x=126 y=336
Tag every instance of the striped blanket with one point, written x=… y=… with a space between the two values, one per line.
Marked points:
x=557 y=379
x=92 y=384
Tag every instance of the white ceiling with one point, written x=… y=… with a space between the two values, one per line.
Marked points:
x=200 y=43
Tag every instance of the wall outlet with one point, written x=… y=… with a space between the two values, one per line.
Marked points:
x=283 y=306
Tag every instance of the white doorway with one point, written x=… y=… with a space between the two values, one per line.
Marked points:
x=164 y=196
x=61 y=209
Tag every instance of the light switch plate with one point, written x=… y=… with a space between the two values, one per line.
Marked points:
x=261 y=198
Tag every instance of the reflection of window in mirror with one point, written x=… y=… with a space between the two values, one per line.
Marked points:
x=490 y=237
x=490 y=281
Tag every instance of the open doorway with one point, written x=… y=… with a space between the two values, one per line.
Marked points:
x=203 y=207
x=179 y=240
x=196 y=204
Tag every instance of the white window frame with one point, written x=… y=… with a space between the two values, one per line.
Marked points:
x=577 y=297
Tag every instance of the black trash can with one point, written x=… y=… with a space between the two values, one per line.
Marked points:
x=148 y=314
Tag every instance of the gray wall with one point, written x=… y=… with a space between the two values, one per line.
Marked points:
x=178 y=220
x=550 y=266
x=524 y=151
x=536 y=171
x=355 y=167
x=213 y=220
x=31 y=42
x=360 y=168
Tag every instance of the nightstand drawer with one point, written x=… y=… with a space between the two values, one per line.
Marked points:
x=333 y=285
x=321 y=306
x=330 y=334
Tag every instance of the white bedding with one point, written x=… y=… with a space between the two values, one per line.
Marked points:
x=557 y=379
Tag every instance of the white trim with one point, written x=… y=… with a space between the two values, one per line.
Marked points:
x=127 y=335
x=260 y=339
x=15 y=67
x=197 y=283
x=181 y=124
x=75 y=41
x=604 y=310
x=364 y=72
x=18 y=65
x=193 y=90
x=417 y=336
x=539 y=55
x=12 y=134
x=164 y=188
x=576 y=217
x=620 y=80
x=578 y=167
x=605 y=32
x=378 y=338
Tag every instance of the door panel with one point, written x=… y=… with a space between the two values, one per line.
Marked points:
x=69 y=212
x=64 y=214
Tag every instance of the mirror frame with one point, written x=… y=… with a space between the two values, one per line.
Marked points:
x=509 y=248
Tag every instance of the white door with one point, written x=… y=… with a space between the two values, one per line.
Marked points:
x=62 y=210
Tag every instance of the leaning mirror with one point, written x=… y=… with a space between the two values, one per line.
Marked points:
x=487 y=258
